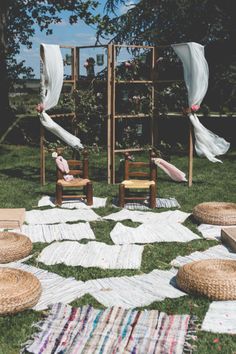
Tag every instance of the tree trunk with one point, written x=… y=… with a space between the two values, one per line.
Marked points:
x=5 y=111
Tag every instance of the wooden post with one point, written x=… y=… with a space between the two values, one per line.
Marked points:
x=85 y=164
x=126 y=172
x=109 y=104
x=113 y=113
x=190 y=156
x=153 y=167
x=42 y=156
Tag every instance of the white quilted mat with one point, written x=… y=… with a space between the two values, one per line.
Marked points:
x=220 y=317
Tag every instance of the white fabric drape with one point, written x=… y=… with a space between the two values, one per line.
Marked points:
x=196 y=75
x=51 y=85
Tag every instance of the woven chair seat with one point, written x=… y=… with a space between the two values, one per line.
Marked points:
x=76 y=182
x=19 y=290
x=216 y=213
x=213 y=278
x=13 y=246
x=137 y=183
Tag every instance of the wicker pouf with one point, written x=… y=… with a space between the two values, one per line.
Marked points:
x=13 y=246
x=216 y=213
x=214 y=278
x=19 y=290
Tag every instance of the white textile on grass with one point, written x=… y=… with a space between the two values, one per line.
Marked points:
x=51 y=85
x=216 y=252
x=146 y=216
x=53 y=216
x=92 y=254
x=135 y=291
x=58 y=232
x=152 y=232
x=220 y=317
x=212 y=232
x=54 y=287
x=73 y=203
x=196 y=74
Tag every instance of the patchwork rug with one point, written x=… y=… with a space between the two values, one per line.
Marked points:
x=160 y=203
x=57 y=215
x=58 y=232
x=148 y=216
x=220 y=317
x=88 y=330
x=54 y=287
x=92 y=254
x=135 y=291
x=152 y=232
x=74 y=203
x=216 y=252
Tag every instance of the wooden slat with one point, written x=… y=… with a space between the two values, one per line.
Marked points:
x=132 y=46
x=129 y=150
x=139 y=174
x=133 y=82
x=132 y=116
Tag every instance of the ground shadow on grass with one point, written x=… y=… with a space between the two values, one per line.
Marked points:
x=24 y=172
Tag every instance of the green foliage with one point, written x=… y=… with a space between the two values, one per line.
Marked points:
x=163 y=22
x=90 y=109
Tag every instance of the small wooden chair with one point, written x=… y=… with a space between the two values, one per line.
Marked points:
x=80 y=169
x=133 y=170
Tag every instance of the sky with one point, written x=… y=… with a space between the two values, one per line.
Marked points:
x=65 y=34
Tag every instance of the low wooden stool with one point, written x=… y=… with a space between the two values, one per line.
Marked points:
x=11 y=218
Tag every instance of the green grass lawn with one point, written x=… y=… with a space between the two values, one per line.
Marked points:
x=20 y=187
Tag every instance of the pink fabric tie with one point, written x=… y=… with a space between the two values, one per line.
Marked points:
x=63 y=166
x=173 y=172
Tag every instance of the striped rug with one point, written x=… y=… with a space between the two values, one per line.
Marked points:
x=58 y=232
x=215 y=252
x=84 y=330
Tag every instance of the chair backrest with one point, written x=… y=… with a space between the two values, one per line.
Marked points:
x=142 y=170
x=77 y=167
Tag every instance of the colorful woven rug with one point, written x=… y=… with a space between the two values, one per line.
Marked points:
x=84 y=330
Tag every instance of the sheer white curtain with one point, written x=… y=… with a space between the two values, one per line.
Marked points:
x=51 y=85
x=196 y=75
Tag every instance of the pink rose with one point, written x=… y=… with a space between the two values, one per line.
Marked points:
x=127 y=64
x=195 y=107
x=40 y=107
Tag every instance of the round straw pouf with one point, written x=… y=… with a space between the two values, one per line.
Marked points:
x=216 y=213
x=13 y=246
x=214 y=278
x=19 y=290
